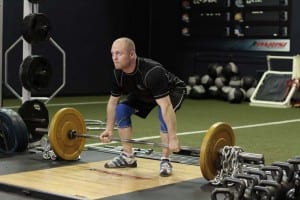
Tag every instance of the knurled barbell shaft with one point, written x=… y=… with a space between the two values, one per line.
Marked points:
x=242 y=155
x=75 y=134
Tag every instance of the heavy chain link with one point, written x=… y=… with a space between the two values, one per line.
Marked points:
x=230 y=164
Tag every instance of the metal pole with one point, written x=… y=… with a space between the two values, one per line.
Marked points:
x=1 y=50
x=150 y=28
x=27 y=9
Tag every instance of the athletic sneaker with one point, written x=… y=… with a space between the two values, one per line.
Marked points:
x=121 y=161
x=165 y=168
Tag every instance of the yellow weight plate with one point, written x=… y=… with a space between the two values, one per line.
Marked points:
x=218 y=135
x=64 y=121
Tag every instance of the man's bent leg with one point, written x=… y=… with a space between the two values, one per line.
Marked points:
x=165 y=164
x=126 y=133
x=123 y=121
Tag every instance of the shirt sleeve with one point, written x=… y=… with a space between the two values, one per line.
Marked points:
x=157 y=81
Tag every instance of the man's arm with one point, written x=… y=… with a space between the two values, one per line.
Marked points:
x=169 y=117
x=110 y=119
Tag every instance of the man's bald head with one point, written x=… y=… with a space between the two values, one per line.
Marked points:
x=127 y=43
x=123 y=54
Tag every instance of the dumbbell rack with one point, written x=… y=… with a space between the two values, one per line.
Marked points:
x=277 y=181
x=27 y=50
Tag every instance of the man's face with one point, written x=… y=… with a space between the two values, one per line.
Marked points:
x=121 y=56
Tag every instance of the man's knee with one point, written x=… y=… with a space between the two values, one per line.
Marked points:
x=123 y=115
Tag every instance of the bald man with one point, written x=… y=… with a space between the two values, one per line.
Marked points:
x=147 y=84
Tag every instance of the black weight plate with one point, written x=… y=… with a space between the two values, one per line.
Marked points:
x=35 y=73
x=24 y=137
x=36 y=28
x=12 y=136
x=35 y=115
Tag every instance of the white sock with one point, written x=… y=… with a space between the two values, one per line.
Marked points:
x=129 y=155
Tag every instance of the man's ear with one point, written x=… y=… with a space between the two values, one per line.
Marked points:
x=132 y=53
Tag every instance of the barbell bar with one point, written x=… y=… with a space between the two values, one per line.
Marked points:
x=73 y=134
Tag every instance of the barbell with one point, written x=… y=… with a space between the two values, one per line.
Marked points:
x=67 y=135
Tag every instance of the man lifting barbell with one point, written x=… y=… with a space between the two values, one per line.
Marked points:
x=147 y=84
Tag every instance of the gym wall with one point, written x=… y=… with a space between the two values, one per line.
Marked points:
x=85 y=29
